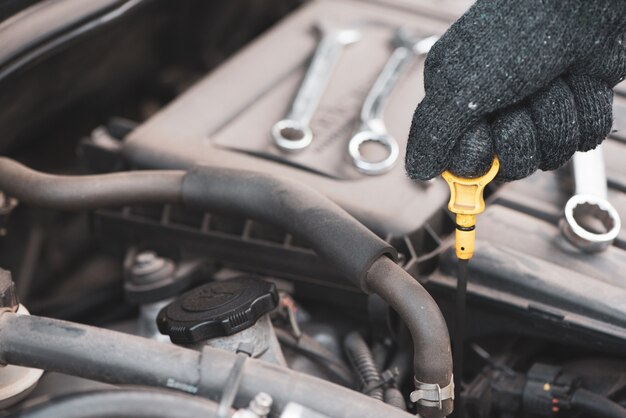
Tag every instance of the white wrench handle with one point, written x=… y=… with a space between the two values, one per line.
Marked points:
x=397 y=64
x=374 y=103
x=590 y=173
x=319 y=73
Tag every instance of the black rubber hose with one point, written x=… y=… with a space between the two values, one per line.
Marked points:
x=596 y=405
x=122 y=403
x=89 y=192
x=113 y=357
x=356 y=252
x=432 y=356
x=300 y=210
x=95 y=353
x=394 y=397
x=362 y=361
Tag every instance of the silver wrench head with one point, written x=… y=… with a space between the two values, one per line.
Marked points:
x=291 y=135
x=373 y=168
x=591 y=223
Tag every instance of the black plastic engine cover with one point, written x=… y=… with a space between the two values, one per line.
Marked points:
x=523 y=279
x=226 y=118
x=524 y=269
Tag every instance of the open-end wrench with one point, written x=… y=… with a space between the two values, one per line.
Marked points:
x=372 y=127
x=293 y=133
x=591 y=223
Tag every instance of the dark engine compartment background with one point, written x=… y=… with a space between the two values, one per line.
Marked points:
x=145 y=91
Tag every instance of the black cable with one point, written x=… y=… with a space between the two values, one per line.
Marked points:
x=597 y=406
x=122 y=403
x=362 y=361
x=318 y=354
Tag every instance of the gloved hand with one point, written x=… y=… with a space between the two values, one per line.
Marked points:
x=530 y=81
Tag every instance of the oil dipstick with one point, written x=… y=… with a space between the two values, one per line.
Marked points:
x=466 y=201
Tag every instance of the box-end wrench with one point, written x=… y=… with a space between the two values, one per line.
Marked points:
x=372 y=127
x=293 y=133
x=591 y=223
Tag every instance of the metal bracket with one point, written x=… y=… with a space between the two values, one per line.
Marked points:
x=431 y=394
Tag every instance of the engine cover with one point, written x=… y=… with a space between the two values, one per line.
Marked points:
x=522 y=269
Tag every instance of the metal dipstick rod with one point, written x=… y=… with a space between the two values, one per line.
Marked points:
x=372 y=127
x=293 y=133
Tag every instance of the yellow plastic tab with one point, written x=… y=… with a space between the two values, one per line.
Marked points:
x=466 y=201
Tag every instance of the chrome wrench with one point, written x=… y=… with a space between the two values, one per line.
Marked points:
x=591 y=223
x=372 y=127
x=293 y=133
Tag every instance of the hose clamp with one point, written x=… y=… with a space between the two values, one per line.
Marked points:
x=431 y=394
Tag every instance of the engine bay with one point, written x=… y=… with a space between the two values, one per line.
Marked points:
x=163 y=254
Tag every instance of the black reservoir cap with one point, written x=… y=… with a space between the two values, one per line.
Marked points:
x=217 y=309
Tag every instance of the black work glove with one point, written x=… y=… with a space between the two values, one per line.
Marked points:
x=528 y=80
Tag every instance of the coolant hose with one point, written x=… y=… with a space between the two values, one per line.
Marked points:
x=295 y=207
x=432 y=356
x=351 y=248
x=91 y=191
x=596 y=405
x=118 y=358
x=121 y=403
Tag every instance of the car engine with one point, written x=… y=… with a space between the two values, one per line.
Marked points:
x=204 y=212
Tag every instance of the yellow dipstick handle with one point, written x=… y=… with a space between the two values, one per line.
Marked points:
x=466 y=201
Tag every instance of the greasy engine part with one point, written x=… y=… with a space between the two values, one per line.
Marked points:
x=357 y=253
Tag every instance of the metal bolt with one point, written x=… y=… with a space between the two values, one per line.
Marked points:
x=148 y=267
x=261 y=404
x=147 y=262
x=145 y=257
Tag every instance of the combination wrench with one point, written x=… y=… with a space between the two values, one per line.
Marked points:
x=293 y=133
x=591 y=223
x=372 y=127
